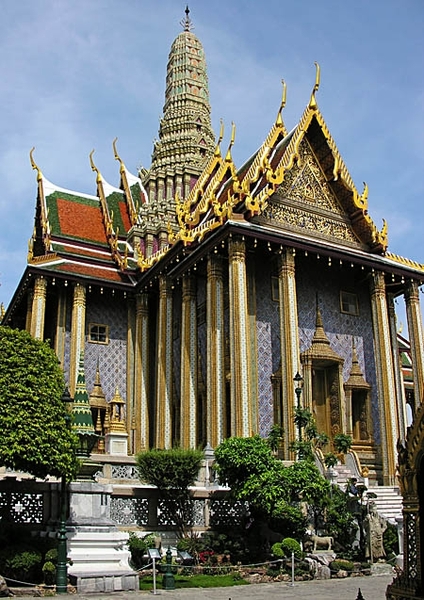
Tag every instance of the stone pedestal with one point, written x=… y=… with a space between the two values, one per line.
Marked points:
x=97 y=549
x=117 y=443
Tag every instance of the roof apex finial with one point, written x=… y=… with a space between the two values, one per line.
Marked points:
x=186 y=23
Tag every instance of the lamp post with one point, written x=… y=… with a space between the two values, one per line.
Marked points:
x=298 y=379
x=62 y=566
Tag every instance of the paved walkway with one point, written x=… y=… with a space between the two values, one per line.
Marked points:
x=372 y=588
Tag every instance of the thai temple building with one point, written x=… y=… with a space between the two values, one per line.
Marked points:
x=196 y=289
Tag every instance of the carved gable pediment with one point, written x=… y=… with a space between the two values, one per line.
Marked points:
x=306 y=203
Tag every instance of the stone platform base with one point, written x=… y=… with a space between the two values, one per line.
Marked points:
x=109 y=581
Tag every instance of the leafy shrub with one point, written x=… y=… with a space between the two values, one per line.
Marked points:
x=277 y=550
x=51 y=555
x=289 y=546
x=138 y=547
x=49 y=573
x=391 y=540
x=20 y=563
x=342 y=565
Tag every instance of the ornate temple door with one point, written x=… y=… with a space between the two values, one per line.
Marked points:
x=321 y=400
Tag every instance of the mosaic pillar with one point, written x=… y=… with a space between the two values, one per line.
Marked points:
x=38 y=311
x=415 y=330
x=29 y=311
x=241 y=385
x=164 y=367
x=142 y=364
x=400 y=388
x=386 y=388
x=215 y=388
x=77 y=334
x=189 y=353
x=130 y=374
x=59 y=346
x=289 y=334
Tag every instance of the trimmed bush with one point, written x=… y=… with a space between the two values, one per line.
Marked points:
x=342 y=565
x=289 y=546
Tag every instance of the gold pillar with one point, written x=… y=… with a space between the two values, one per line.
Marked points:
x=241 y=384
x=141 y=360
x=386 y=388
x=77 y=334
x=415 y=330
x=400 y=389
x=38 y=311
x=164 y=367
x=189 y=352
x=28 y=317
x=61 y=326
x=215 y=388
x=289 y=334
x=130 y=373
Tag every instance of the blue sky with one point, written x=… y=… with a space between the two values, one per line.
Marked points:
x=76 y=73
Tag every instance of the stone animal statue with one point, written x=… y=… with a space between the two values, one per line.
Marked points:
x=322 y=542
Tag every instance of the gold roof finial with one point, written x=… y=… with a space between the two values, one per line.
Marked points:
x=94 y=168
x=186 y=23
x=279 y=120
x=233 y=137
x=221 y=135
x=34 y=166
x=312 y=101
x=117 y=157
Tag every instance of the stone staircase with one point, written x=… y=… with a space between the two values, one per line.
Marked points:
x=388 y=502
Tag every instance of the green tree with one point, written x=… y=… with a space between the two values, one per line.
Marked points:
x=238 y=458
x=172 y=472
x=35 y=437
x=275 y=493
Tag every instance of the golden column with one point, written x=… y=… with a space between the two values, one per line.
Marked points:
x=415 y=330
x=28 y=317
x=189 y=352
x=241 y=384
x=289 y=333
x=141 y=360
x=164 y=367
x=61 y=325
x=386 y=387
x=215 y=388
x=38 y=311
x=77 y=334
x=401 y=408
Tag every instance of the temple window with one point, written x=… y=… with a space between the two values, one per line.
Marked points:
x=349 y=303
x=98 y=334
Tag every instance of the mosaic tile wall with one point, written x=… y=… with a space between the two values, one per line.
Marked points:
x=340 y=328
x=112 y=311
x=268 y=345
x=314 y=276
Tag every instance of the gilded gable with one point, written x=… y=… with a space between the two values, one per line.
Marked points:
x=305 y=201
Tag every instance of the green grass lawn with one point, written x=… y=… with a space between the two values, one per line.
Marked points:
x=195 y=581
